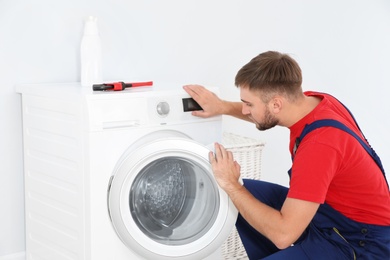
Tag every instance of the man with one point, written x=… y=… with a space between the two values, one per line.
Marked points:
x=338 y=202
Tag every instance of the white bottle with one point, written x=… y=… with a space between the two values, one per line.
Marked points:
x=91 y=54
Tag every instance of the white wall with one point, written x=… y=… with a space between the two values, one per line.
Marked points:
x=342 y=46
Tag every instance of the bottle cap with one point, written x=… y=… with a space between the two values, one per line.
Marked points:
x=90 y=26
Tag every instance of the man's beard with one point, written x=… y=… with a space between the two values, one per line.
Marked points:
x=268 y=122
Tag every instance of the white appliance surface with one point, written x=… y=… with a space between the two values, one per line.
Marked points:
x=97 y=163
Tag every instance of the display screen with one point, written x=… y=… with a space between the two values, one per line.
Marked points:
x=189 y=104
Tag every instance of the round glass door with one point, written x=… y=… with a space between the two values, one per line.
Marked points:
x=174 y=201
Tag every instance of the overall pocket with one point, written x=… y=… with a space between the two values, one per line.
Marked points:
x=343 y=243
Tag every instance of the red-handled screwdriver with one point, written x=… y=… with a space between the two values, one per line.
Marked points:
x=120 y=85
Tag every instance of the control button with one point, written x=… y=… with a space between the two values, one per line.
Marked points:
x=163 y=109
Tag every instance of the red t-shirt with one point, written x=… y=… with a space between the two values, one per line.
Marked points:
x=331 y=166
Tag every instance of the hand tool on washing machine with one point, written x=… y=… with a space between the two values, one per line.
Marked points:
x=120 y=85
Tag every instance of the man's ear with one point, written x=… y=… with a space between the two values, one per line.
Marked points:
x=276 y=104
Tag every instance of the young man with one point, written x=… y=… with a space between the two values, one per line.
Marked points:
x=338 y=202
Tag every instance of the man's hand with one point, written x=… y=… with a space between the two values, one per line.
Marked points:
x=226 y=170
x=211 y=104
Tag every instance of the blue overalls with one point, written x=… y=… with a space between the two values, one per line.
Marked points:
x=330 y=235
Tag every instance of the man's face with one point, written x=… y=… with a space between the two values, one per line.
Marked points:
x=258 y=111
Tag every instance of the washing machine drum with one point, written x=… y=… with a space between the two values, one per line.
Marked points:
x=164 y=202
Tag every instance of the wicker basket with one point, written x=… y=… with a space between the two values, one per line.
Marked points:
x=247 y=152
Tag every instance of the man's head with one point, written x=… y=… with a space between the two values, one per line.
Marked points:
x=265 y=82
x=271 y=73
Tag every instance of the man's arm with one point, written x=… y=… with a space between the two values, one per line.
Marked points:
x=212 y=105
x=282 y=227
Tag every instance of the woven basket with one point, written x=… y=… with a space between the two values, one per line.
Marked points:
x=247 y=152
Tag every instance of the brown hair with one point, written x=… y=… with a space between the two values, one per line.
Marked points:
x=271 y=73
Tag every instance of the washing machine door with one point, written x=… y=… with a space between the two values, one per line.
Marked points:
x=164 y=202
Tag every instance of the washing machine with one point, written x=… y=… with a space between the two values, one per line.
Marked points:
x=120 y=175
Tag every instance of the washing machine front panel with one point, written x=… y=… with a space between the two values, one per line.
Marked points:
x=164 y=201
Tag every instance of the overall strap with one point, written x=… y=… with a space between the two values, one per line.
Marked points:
x=334 y=123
